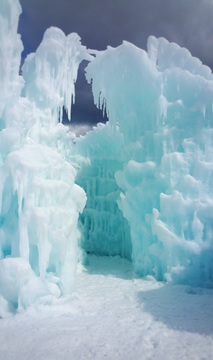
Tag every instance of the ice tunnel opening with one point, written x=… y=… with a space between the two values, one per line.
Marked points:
x=105 y=231
x=84 y=111
x=148 y=181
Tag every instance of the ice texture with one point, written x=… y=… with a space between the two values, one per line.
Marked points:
x=50 y=73
x=11 y=48
x=162 y=102
x=39 y=199
x=147 y=174
x=20 y=287
x=104 y=229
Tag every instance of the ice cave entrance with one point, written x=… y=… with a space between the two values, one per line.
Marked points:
x=105 y=230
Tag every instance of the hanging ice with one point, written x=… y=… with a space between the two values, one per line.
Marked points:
x=162 y=100
x=147 y=174
x=11 y=48
x=39 y=200
x=51 y=72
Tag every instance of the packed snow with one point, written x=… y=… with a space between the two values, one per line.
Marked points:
x=113 y=315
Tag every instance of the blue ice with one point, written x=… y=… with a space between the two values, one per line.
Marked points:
x=139 y=186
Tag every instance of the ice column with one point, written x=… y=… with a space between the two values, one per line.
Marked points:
x=10 y=54
x=39 y=200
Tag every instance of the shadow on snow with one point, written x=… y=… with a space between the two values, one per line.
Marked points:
x=180 y=307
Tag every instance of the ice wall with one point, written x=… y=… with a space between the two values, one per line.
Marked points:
x=10 y=52
x=105 y=230
x=162 y=101
x=39 y=199
x=148 y=174
x=50 y=74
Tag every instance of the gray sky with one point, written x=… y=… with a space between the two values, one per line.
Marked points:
x=100 y=23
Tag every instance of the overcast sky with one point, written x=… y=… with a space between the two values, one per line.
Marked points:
x=100 y=23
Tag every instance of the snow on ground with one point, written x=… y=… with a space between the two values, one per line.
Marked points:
x=114 y=316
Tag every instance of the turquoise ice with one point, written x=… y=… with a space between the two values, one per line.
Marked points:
x=161 y=100
x=139 y=187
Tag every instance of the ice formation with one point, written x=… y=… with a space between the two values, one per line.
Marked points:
x=147 y=174
x=39 y=199
x=105 y=231
x=162 y=100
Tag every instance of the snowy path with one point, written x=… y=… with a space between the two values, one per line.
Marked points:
x=113 y=316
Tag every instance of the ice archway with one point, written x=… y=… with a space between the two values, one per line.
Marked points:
x=147 y=173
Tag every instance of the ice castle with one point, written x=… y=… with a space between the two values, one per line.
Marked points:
x=140 y=186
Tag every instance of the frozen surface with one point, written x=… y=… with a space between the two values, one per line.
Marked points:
x=50 y=73
x=147 y=174
x=112 y=315
x=11 y=48
x=39 y=199
x=162 y=102
x=105 y=230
